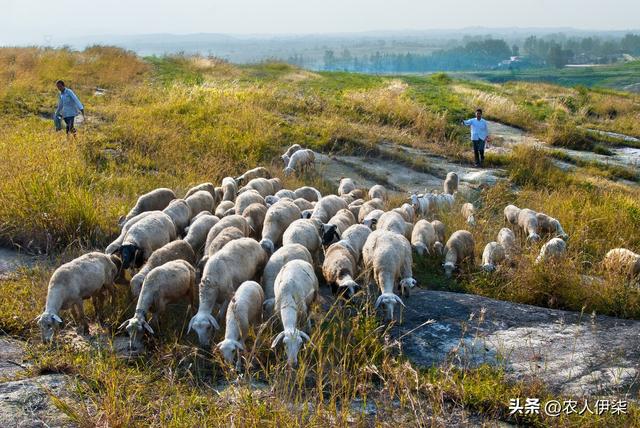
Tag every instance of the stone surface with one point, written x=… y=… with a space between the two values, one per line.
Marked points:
x=11 y=358
x=571 y=353
x=11 y=260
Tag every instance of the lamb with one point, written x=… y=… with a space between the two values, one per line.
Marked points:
x=88 y=276
x=299 y=161
x=551 y=226
x=622 y=261
x=245 y=310
x=225 y=208
x=230 y=189
x=367 y=207
x=459 y=248
x=423 y=237
x=258 y=172
x=309 y=193
x=198 y=231
x=281 y=257
x=247 y=198
x=255 y=215
x=286 y=193
x=339 y=267
x=528 y=224
x=238 y=261
x=387 y=256
x=371 y=220
x=174 y=250
x=394 y=222
x=144 y=237
x=450 y=184
x=155 y=200
x=209 y=187
x=291 y=150
x=164 y=284
x=356 y=236
x=303 y=204
x=327 y=207
x=507 y=239
x=200 y=201
x=552 y=250
x=511 y=213
x=492 y=255
x=296 y=289
x=442 y=202
x=378 y=192
x=180 y=213
x=346 y=186
x=342 y=220
x=232 y=220
x=277 y=220
x=263 y=186
x=468 y=213
x=407 y=212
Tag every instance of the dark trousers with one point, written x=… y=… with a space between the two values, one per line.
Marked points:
x=69 y=122
x=478 y=151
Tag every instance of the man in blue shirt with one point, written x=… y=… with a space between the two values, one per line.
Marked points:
x=69 y=106
x=479 y=134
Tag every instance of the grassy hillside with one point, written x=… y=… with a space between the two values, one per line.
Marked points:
x=179 y=121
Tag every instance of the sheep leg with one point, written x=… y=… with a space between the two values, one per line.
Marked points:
x=222 y=313
x=77 y=311
x=98 y=304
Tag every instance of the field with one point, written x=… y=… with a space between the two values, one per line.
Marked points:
x=178 y=121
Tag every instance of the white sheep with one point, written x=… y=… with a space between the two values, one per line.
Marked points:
x=309 y=193
x=291 y=150
x=507 y=239
x=423 y=237
x=247 y=198
x=552 y=250
x=255 y=215
x=155 y=200
x=264 y=186
x=276 y=221
x=198 y=231
x=116 y=243
x=355 y=206
x=225 y=236
x=356 y=236
x=367 y=207
x=231 y=220
x=306 y=233
x=180 y=213
x=528 y=224
x=238 y=261
x=327 y=207
x=550 y=226
x=296 y=289
x=278 y=259
x=286 y=193
x=387 y=256
x=340 y=266
x=258 y=172
x=200 y=201
x=168 y=283
x=229 y=188
x=196 y=217
x=300 y=161
x=88 y=276
x=468 y=212
x=371 y=219
x=225 y=208
x=407 y=212
x=492 y=255
x=441 y=231
x=421 y=204
x=378 y=192
x=622 y=261
x=245 y=310
x=174 y=250
x=511 y=213
x=459 y=248
x=346 y=186
x=144 y=237
x=303 y=204
x=450 y=184
x=209 y=187
x=442 y=202
x=394 y=222
x=342 y=220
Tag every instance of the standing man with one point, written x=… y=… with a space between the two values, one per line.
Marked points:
x=69 y=106
x=479 y=135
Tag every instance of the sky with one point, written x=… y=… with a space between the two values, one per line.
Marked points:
x=52 y=21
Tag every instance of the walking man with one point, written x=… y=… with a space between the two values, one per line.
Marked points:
x=69 y=106
x=479 y=135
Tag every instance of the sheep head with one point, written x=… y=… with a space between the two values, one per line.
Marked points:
x=267 y=245
x=228 y=349
x=438 y=248
x=136 y=284
x=292 y=340
x=285 y=159
x=203 y=324
x=449 y=267
x=471 y=220
x=129 y=254
x=533 y=237
x=135 y=328
x=370 y=223
x=49 y=324
x=351 y=286
x=389 y=301
x=306 y=214
x=489 y=267
x=421 y=249
x=329 y=233
x=407 y=283
x=288 y=171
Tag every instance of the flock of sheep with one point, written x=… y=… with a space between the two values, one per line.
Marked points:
x=226 y=238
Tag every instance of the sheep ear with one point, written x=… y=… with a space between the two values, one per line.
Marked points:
x=399 y=300
x=213 y=322
x=190 y=324
x=57 y=318
x=305 y=336
x=277 y=339
x=239 y=345
x=378 y=302
x=147 y=327
x=124 y=324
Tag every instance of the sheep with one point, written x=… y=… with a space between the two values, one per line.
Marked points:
x=442 y=202
x=296 y=289
x=339 y=266
x=309 y=193
x=291 y=150
x=303 y=204
x=327 y=207
x=342 y=220
x=88 y=276
x=180 y=213
x=371 y=220
x=552 y=250
x=492 y=255
x=356 y=236
x=306 y=233
x=247 y=198
x=227 y=235
x=238 y=261
x=423 y=237
x=218 y=195
x=441 y=230
x=245 y=310
x=367 y=207
x=225 y=208
x=387 y=256
x=232 y=220
x=255 y=215
x=551 y=226
x=168 y=283
x=511 y=213
x=281 y=257
x=196 y=217
x=468 y=213
x=346 y=186
x=198 y=230
x=421 y=204
x=263 y=186
x=394 y=222
x=528 y=224
x=155 y=200
x=459 y=248
x=209 y=187
x=378 y=192
x=299 y=161
x=507 y=239
x=230 y=189
x=258 y=172
x=407 y=212
x=306 y=214
x=200 y=201
x=276 y=221
x=144 y=237
x=623 y=261
x=286 y=193
x=355 y=206
x=450 y=185
x=174 y=250
x=116 y=243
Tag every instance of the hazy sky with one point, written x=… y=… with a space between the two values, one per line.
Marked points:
x=37 y=21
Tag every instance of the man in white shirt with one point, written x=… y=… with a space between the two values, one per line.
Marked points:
x=69 y=106
x=479 y=135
